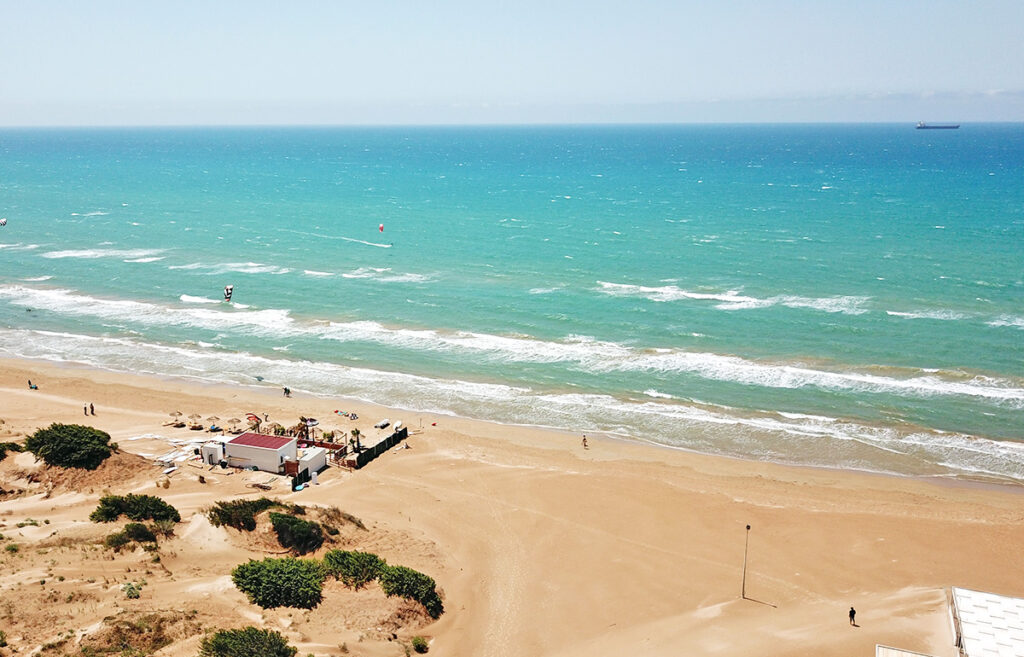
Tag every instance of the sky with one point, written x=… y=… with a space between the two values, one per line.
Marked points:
x=106 y=62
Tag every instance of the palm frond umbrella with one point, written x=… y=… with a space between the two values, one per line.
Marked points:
x=272 y=428
x=233 y=421
x=175 y=414
x=212 y=418
x=195 y=416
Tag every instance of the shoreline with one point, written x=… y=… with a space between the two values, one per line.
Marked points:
x=539 y=546
x=954 y=480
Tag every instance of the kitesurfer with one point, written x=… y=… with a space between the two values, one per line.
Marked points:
x=228 y=290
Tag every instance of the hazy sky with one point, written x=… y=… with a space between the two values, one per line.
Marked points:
x=522 y=61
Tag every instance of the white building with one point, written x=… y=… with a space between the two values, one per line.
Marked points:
x=987 y=625
x=313 y=459
x=267 y=453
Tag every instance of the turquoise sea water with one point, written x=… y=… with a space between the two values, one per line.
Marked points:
x=845 y=296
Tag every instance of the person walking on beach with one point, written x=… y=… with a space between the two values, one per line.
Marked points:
x=853 y=616
x=85 y=409
x=585 y=442
x=92 y=411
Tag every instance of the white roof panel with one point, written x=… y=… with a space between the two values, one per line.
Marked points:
x=990 y=625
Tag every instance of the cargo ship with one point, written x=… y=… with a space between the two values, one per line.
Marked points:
x=921 y=125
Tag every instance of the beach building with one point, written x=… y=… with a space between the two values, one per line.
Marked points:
x=888 y=651
x=267 y=453
x=986 y=624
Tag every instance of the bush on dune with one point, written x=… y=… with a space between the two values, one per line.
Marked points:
x=354 y=569
x=8 y=447
x=287 y=582
x=299 y=535
x=240 y=514
x=70 y=446
x=408 y=583
x=135 y=507
x=247 y=642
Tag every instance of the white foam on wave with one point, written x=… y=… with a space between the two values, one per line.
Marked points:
x=150 y=259
x=233 y=267
x=37 y=279
x=733 y=300
x=90 y=254
x=386 y=275
x=1008 y=320
x=670 y=293
x=262 y=322
x=187 y=298
x=601 y=356
x=311 y=272
x=90 y=214
x=657 y=395
x=945 y=315
x=546 y=290
x=18 y=246
x=789 y=437
x=581 y=352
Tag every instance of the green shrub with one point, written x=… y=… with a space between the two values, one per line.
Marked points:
x=3 y=639
x=8 y=447
x=287 y=582
x=116 y=541
x=133 y=590
x=12 y=548
x=240 y=514
x=70 y=446
x=246 y=643
x=408 y=583
x=135 y=507
x=299 y=535
x=354 y=569
x=163 y=528
x=139 y=533
x=419 y=644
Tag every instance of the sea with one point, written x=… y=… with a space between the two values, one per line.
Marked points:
x=840 y=296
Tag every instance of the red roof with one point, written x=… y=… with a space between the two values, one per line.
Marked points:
x=250 y=439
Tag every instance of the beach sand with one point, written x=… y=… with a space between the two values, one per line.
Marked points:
x=539 y=546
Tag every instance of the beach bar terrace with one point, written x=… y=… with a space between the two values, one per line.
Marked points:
x=341 y=454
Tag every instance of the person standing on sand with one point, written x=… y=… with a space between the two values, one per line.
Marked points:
x=85 y=410
x=92 y=411
x=585 y=442
x=853 y=616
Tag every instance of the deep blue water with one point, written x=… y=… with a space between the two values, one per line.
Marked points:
x=846 y=296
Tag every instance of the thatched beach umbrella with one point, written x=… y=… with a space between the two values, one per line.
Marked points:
x=175 y=414
x=195 y=416
x=233 y=421
x=212 y=419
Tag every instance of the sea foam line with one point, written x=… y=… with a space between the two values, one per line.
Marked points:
x=581 y=352
x=765 y=435
x=260 y=322
x=732 y=300
x=103 y=253
x=233 y=267
x=946 y=315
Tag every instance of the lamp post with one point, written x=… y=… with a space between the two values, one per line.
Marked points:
x=746 y=543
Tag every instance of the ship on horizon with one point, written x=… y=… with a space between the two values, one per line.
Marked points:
x=921 y=125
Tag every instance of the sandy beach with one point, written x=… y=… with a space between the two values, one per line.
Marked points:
x=539 y=546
